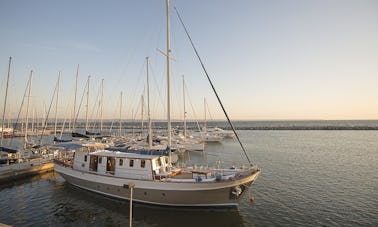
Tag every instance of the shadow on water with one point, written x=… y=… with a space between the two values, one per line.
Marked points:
x=75 y=206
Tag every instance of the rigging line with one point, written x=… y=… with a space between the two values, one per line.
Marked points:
x=208 y=110
x=81 y=102
x=65 y=119
x=134 y=92
x=156 y=87
x=95 y=109
x=48 y=112
x=20 y=110
x=212 y=86
x=191 y=104
x=5 y=102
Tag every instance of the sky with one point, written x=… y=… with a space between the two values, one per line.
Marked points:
x=268 y=59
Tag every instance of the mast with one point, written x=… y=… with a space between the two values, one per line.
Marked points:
x=102 y=103
x=120 y=116
x=74 y=107
x=43 y=123
x=27 y=109
x=87 y=106
x=148 y=109
x=69 y=122
x=169 y=82
x=141 y=115
x=33 y=120
x=56 y=104
x=183 y=95
x=132 y=123
x=5 y=102
x=36 y=122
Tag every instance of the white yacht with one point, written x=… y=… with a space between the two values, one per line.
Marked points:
x=156 y=181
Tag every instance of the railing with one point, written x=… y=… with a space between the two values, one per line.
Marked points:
x=64 y=162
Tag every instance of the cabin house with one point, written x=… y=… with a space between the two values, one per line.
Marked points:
x=121 y=164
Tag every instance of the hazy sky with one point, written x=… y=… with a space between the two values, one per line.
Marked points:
x=283 y=59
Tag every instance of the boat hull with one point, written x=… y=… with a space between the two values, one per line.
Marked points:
x=161 y=192
x=23 y=170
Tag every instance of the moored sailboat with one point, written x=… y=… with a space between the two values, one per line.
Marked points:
x=20 y=163
x=151 y=173
x=156 y=182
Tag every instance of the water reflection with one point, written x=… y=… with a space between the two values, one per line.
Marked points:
x=26 y=180
x=76 y=206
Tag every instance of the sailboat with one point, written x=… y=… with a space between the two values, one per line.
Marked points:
x=151 y=175
x=187 y=142
x=20 y=163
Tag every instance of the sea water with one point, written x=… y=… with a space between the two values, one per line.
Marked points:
x=308 y=178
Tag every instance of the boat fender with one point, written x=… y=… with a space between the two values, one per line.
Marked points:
x=237 y=191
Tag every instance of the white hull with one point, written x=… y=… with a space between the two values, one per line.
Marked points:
x=161 y=192
x=22 y=170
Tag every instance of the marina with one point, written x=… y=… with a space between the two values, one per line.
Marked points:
x=185 y=113
x=312 y=178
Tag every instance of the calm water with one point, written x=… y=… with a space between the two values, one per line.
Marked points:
x=309 y=178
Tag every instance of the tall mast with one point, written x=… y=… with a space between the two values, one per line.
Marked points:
x=69 y=122
x=74 y=106
x=120 y=116
x=183 y=95
x=5 y=103
x=33 y=120
x=148 y=109
x=132 y=122
x=102 y=103
x=169 y=82
x=141 y=115
x=43 y=122
x=56 y=104
x=87 y=106
x=27 y=109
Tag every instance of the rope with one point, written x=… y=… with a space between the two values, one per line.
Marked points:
x=19 y=112
x=212 y=86
x=47 y=115
x=81 y=102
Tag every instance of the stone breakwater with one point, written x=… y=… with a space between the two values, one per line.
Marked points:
x=304 y=128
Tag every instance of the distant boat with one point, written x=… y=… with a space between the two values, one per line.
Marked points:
x=61 y=140
x=7 y=133
x=17 y=164
x=151 y=174
x=221 y=132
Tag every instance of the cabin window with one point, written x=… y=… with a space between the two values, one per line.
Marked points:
x=143 y=163
x=100 y=160
x=93 y=163
x=85 y=158
x=121 y=162
x=131 y=163
x=110 y=165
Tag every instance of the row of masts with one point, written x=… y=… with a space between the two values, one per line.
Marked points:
x=76 y=112
x=28 y=90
